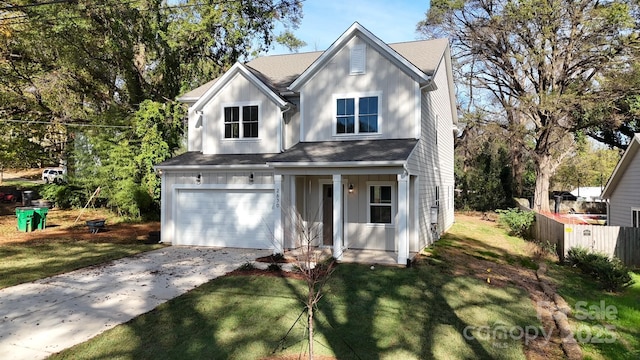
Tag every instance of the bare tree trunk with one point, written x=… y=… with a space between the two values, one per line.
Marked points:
x=310 y=317
x=545 y=169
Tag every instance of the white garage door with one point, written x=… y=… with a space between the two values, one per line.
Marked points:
x=230 y=218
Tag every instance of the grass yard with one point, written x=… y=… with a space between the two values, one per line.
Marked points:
x=386 y=313
x=64 y=246
x=429 y=311
x=469 y=297
x=606 y=324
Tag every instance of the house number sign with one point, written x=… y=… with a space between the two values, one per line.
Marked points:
x=277 y=193
x=586 y=233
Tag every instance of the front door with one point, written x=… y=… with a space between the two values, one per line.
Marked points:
x=327 y=215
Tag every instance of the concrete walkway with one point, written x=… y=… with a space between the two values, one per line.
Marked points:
x=52 y=314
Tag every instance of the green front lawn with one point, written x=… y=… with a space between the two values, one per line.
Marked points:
x=385 y=313
x=28 y=261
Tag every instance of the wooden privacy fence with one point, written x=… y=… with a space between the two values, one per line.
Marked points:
x=621 y=242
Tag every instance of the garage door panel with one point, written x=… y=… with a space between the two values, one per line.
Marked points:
x=233 y=218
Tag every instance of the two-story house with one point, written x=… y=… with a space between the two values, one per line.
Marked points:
x=357 y=140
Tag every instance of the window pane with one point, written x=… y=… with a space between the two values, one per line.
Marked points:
x=368 y=124
x=232 y=114
x=250 y=121
x=385 y=194
x=346 y=107
x=635 y=214
x=232 y=130
x=368 y=114
x=250 y=113
x=380 y=214
x=380 y=194
x=368 y=105
x=345 y=125
x=250 y=130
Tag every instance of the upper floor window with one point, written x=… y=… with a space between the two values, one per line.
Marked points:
x=357 y=115
x=241 y=122
x=635 y=218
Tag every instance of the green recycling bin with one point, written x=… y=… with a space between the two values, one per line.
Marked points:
x=40 y=217
x=25 y=217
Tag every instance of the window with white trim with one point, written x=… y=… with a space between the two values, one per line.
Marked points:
x=380 y=202
x=241 y=122
x=357 y=115
x=635 y=217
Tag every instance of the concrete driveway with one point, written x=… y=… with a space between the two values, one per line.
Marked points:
x=52 y=314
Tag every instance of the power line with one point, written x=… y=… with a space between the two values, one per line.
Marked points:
x=66 y=124
x=18 y=7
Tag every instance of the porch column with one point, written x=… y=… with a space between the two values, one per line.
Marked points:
x=337 y=216
x=402 y=219
x=278 y=234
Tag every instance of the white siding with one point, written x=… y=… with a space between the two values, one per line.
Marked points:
x=292 y=124
x=626 y=195
x=239 y=90
x=396 y=118
x=433 y=162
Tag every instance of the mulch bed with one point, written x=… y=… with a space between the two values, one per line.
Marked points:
x=257 y=272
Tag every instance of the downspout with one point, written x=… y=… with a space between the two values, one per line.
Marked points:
x=287 y=108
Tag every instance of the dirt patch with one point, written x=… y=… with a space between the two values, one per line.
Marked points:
x=270 y=259
x=257 y=272
x=30 y=174
x=298 y=357
x=61 y=224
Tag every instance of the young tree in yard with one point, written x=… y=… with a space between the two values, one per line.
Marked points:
x=539 y=63
x=315 y=266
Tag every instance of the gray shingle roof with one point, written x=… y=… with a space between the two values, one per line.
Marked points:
x=196 y=158
x=389 y=150
x=279 y=71
x=356 y=151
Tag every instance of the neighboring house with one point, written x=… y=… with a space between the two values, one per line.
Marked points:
x=588 y=193
x=357 y=139
x=623 y=188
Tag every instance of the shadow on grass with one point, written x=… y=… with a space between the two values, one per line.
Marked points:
x=618 y=311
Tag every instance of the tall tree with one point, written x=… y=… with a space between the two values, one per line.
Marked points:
x=82 y=61
x=92 y=75
x=538 y=62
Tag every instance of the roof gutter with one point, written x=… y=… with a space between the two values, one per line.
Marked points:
x=429 y=86
x=211 y=167
x=285 y=109
x=325 y=164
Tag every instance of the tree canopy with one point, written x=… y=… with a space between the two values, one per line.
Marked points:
x=539 y=65
x=92 y=71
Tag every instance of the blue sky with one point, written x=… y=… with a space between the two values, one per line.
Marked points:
x=325 y=20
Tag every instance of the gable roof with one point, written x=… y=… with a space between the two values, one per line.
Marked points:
x=280 y=71
x=238 y=68
x=371 y=40
x=621 y=168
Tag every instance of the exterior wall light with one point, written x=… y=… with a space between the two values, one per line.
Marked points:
x=199 y=179
x=251 y=178
x=350 y=188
